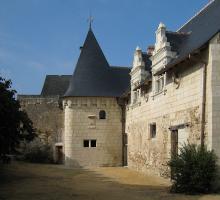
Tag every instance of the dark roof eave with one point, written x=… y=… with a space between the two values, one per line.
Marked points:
x=169 y=66
x=90 y=96
x=144 y=83
x=126 y=93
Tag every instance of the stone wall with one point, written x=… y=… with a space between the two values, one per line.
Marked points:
x=82 y=123
x=46 y=114
x=178 y=105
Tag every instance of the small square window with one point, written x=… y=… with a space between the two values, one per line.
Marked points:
x=153 y=130
x=102 y=114
x=89 y=143
x=86 y=143
x=93 y=143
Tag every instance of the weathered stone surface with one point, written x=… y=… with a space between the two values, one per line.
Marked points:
x=82 y=123
x=46 y=114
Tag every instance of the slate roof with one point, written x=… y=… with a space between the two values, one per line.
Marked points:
x=93 y=76
x=176 y=40
x=55 y=85
x=121 y=79
x=200 y=29
x=147 y=61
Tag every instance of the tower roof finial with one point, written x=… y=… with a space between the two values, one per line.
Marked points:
x=90 y=20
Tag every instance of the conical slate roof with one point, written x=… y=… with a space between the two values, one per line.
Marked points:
x=93 y=76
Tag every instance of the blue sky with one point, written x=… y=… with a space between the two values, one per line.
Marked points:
x=39 y=37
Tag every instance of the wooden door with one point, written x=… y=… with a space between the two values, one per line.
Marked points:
x=174 y=146
x=174 y=143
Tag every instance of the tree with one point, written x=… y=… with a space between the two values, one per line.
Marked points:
x=194 y=170
x=15 y=126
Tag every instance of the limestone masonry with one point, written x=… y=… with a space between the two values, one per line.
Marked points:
x=104 y=115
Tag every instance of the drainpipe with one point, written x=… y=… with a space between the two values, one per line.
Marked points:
x=123 y=133
x=204 y=88
x=121 y=103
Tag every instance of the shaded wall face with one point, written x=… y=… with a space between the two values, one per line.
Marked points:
x=47 y=117
x=82 y=125
x=178 y=106
x=213 y=94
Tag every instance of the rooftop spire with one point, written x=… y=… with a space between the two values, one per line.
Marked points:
x=91 y=77
x=90 y=20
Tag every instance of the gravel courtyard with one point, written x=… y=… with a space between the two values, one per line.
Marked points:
x=22 y=181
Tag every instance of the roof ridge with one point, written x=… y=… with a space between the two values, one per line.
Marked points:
x=199 y=12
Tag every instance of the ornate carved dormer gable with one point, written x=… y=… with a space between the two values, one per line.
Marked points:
x=138 y=59
x=162 y=53
x=161 y=39
x=138 y=73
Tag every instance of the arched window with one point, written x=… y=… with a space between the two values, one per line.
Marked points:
x=102 y=114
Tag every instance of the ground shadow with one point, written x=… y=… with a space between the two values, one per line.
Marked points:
x=22 y=181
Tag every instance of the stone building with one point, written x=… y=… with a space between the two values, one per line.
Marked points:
x=174 y=97
x=108 y=118
x=80 y=115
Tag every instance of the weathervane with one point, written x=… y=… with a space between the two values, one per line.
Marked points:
x=90 y=20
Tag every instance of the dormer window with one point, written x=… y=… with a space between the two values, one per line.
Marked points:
x=102 y=114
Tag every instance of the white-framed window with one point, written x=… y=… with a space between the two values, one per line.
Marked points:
x=135 y=97
x=159 y=84
x=89 y=143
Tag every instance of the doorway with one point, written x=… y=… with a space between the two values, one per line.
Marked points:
x=179 y=137
x=59 y=154
x=174 y=143
x=125 y=149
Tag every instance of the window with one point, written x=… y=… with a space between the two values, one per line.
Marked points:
x=89 y=143
x=159 y=84
x=153 y=130
x=93 y=143
x=135 y=96
x=102 y=114
x=86 y=143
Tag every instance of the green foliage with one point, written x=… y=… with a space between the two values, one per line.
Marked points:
x=194 y=170
x=38 y=152
x=15 y=126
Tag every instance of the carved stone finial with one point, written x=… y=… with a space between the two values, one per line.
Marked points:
x=90 y=20
x=161 y=25
x=138 y=48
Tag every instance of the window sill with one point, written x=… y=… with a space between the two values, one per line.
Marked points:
x=159 y=93
x=92 y=127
